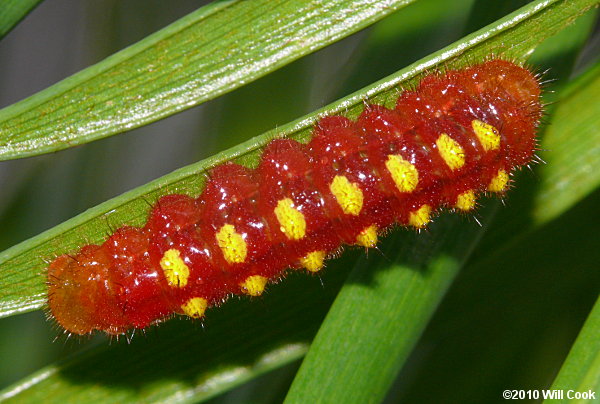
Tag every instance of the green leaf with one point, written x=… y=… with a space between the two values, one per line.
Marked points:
x=379 y=315
x=20 y=266
x=13 y=11
x=574 y=131
x=527 y=289
x=581 y=371
x=244 y=339
x=203 y=55
x=402 y=294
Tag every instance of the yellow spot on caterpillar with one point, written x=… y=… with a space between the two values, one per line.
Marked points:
x=466 y=200
x=232 y=244
x=452 y=152
x=404 y=174
x=254 y=285
x=314 y=261
x=175 y=270
x=499 y=182
x=347 y=194
x=367 y=237
x=195 y=307
x=488 y=135
x=420 y=217
x=292 y=221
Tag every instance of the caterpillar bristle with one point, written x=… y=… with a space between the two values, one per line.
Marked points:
x=456 y=135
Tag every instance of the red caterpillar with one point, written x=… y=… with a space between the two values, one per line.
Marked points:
x=455 y=136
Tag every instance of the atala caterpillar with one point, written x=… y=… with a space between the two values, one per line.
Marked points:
x=457 y=135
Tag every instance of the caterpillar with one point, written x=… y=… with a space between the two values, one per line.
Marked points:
x=458 y=134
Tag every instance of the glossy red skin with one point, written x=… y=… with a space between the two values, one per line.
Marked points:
x=119 y=285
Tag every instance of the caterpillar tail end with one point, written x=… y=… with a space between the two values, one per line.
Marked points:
x=78 y=302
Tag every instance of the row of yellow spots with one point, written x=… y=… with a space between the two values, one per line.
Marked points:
x=466 y=201
x=350 y=198
x=292 y=222
x=196 y=306
x=177 y=272
x=177 y=275
x=234 y=247
x=452 y=152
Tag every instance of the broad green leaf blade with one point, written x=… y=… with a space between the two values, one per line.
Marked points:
x=203 y=55
x=13 y=11
x=581 y=370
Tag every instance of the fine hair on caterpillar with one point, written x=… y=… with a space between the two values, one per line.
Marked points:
x=457 y=135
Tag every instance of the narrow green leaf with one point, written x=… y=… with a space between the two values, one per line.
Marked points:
x=123 y=373
x=581 y=371
x=562 y=50
x=379 y=315
x=13 y=11
x=509 y=321
x=557 y=55
x=21 y=267
x=181 y=362
x=574 y=131
x=203 y=55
